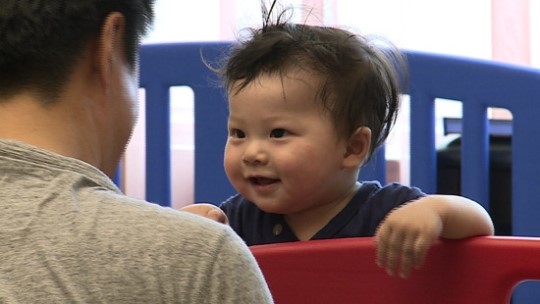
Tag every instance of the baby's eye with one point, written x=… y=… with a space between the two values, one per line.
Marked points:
x=237 y=133
x=278 y=133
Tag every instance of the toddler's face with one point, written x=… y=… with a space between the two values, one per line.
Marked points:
x=282 y=152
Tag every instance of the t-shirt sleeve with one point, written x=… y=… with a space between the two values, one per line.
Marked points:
x=236 y=277
x=389 y=197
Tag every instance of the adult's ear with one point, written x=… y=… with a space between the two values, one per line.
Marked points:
x=357 y=148
x=110 y=47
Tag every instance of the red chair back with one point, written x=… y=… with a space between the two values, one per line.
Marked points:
x=475 y=270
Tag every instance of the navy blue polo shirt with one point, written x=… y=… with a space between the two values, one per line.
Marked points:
x=361 y=217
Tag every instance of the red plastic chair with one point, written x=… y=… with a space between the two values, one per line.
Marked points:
x=477 y=270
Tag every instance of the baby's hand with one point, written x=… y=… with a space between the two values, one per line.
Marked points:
x=405 y=236
x=209 y=211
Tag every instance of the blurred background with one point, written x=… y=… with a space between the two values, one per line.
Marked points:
x=501 y=30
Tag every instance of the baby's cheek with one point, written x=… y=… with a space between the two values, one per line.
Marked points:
x=301 y=158
x=231 y=165
x=231 y=169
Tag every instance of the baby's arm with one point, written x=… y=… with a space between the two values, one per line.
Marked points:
x=407 y=233
x=207 y=210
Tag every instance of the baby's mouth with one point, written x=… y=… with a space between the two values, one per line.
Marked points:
x=262 y=181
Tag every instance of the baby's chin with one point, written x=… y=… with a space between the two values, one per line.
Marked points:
x=268 y=206
x=273 y=207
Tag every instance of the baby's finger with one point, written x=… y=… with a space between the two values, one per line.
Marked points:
x=408 y=255
x=393 y=252
x=218 y=216
x=380 y=246
x=421 y=247
x=381 y=241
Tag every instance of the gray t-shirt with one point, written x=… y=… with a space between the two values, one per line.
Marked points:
x=68 y=235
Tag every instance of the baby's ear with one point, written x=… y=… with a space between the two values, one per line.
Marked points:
x=357 y=148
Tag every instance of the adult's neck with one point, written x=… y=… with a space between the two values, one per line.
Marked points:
x=58 y=127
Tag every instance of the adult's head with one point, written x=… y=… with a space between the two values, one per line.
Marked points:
x=69 y=75
x=43 y=39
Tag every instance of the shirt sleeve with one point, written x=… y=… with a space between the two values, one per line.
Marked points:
x=236 y=277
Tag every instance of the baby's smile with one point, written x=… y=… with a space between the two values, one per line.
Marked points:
x=262 y=181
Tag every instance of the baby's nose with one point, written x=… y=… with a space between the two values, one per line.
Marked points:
x=255 y=154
